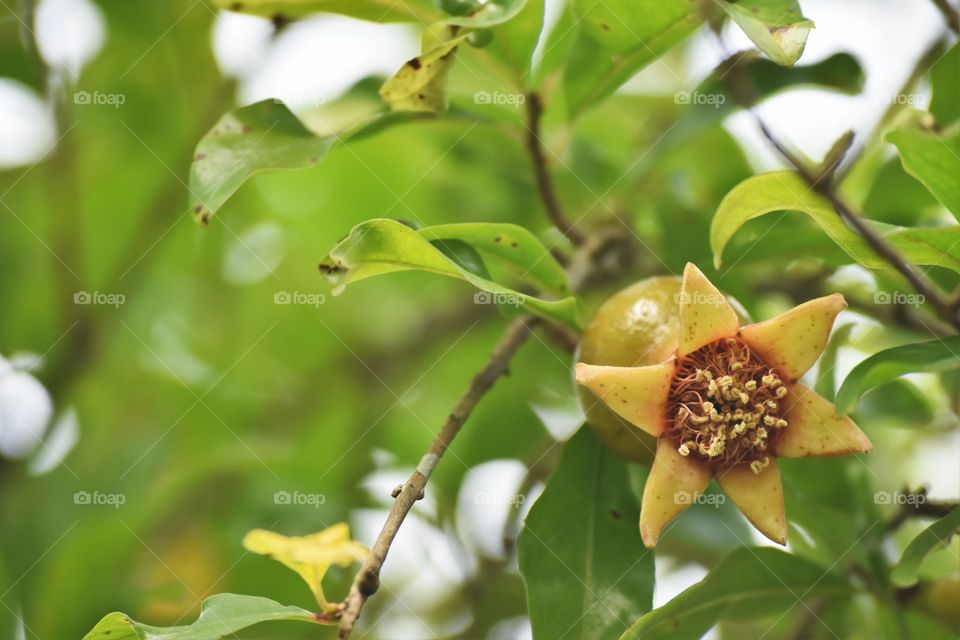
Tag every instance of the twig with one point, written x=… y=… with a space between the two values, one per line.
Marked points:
x=825 y=187
x=822 y=181
x=918 y=506
x=367 y=580
x=899 y=102
x=544 y=182
x=950 y=14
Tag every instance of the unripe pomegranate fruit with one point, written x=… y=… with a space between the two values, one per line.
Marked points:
x=637 y=326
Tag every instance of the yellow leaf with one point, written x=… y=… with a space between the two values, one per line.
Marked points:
x=421 y=83
x=310 y=556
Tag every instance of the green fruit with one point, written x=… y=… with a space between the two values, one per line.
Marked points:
x=939 y=600
x=637 y=326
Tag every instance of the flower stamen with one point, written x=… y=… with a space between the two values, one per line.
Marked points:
x=723 y=406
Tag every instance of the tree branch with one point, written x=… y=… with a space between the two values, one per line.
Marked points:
x=367 y=580
x=822 y=181
x=545 y=186
x=950 y=14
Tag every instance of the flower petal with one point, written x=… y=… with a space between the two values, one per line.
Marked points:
x=705 y=314
x=759 y=496
x=815 y=429
x=792 y=341
x=673 y=485
x=638 y=394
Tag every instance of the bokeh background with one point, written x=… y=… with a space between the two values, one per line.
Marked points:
x=158 y=399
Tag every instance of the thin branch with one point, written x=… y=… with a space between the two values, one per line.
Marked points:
x=825 y=187
x=367 y=580
x=901 y=99
x=544 y=182
x=950 y=14
x=822 y=181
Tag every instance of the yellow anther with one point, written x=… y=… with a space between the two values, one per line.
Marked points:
x=759 y=465
x=782 y=391
x=751 y=385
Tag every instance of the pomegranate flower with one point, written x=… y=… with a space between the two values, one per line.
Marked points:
x=727 y=404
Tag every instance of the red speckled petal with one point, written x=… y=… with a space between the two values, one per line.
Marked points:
x=673 y=485
x=794 y=340
x=705 y=314
x=759 y=496
x=815 y=429
x=637 y=394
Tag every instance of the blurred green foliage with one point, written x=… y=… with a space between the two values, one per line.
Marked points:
x=230 y=374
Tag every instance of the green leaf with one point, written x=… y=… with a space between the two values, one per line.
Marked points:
x=221 y=615
x=260 y=137
x=384 y=246
x=587 y=573
x=749 y=583
x=937 y=535
x=945 y=85
x=511 y=243
x=515 y=41
x=934 y=356
x=617 y=38
x=776 y=26
x=932 y=159
x=787 y=191
x=372 y=10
